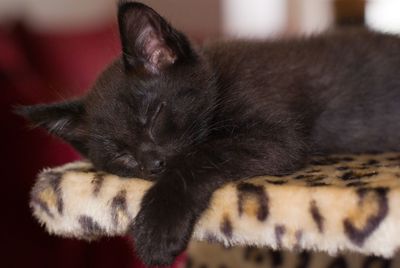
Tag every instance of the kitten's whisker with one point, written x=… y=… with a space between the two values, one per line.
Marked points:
x=183 y=181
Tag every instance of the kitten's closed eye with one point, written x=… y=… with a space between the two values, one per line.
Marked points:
x=125 y=159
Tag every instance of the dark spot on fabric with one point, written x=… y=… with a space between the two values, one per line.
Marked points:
x=313 y=171
x=255 y=254
x=248 y=190
x=35 y=201
x=54 y=179
x=97 y=182
x=90 y=226
x=303 y=260
x=259 y=258
x=317 y=178
x=276 y=258
x=299 y=236
x=361 y=167
x=357 y=184
x=279 y=233
x=203 y=266
x=317 y=184
x=280 y=182
x=118 y=205
x=351 y=175
x=372 y=162
x=226 y=227
x=304 y=177
x=317 y=216
x=341 y=168
x=338 y=262
x=310 y=178
x=395 y=158
x=248 y=251
x=60 y=204
x=211 y=238
x=373 y=261
x=370 y=174
x=358 y=236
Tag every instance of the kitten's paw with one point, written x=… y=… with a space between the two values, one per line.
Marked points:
x=162 y=228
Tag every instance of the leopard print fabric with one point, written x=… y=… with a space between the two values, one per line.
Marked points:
x=345 y=202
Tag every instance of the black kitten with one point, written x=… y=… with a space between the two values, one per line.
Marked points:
x=193 y=119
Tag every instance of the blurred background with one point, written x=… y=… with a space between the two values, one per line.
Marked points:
x=53 y=49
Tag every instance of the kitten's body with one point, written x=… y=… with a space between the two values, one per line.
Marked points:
x=342 y=89
x=195 y=119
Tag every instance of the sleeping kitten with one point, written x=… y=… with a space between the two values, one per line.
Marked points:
x=193 y=119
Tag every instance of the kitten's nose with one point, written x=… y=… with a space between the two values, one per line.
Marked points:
x=152 y=161
x=154 y=166
x=157 y=166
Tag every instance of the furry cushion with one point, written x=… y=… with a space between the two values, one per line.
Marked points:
x=337 y=203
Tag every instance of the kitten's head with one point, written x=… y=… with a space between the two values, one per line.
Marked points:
x=149 y=105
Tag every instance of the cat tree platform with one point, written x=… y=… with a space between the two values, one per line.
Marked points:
x=343 y=205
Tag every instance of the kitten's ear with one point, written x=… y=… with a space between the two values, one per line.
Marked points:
x=65 y=119
x=148 y=40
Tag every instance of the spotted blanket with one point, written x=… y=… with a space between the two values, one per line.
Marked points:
x=337 y=203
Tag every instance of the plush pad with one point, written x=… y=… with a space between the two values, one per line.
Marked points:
x=342 y=202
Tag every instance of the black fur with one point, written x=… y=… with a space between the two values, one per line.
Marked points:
x=194 y=119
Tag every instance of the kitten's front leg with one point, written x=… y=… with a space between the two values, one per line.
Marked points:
x=172 y=206
x=165 y=222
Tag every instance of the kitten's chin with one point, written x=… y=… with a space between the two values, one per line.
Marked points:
x=129 y=173
x=147 y=177
x=135 y=175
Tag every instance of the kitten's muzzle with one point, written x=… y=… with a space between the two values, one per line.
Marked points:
x=152 y=164
x=155 y=166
